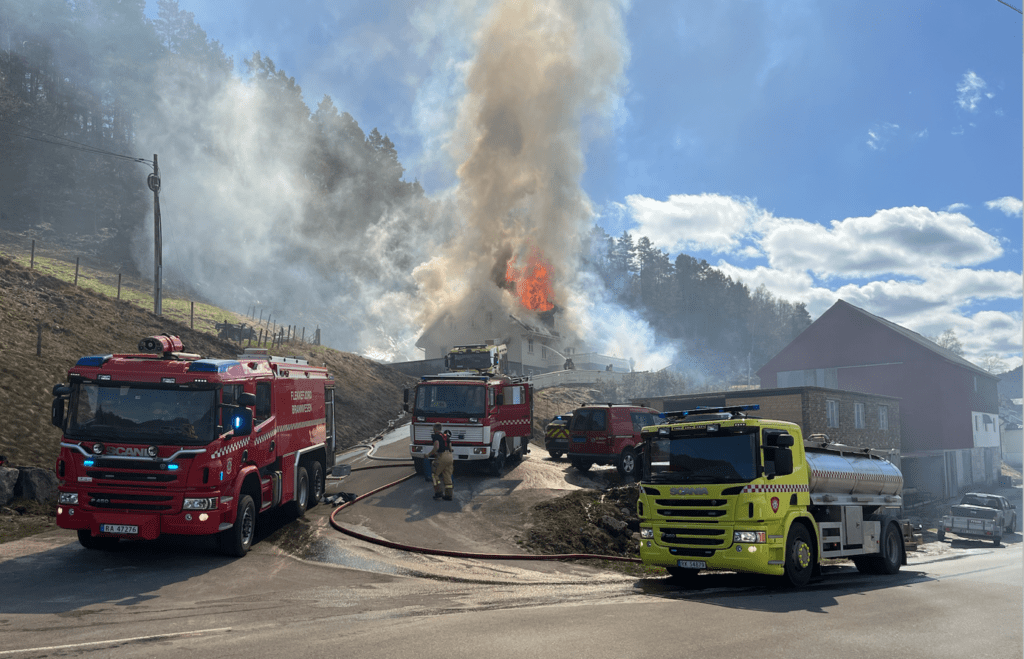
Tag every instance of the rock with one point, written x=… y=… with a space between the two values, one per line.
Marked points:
x=36 y=484
x=8 y=479
x=612 y=524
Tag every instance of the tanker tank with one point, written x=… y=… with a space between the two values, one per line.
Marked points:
x=835 y=470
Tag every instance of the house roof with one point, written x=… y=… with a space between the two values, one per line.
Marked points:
x=948 y=355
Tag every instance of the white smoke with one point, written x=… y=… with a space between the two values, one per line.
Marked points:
x=240 y=216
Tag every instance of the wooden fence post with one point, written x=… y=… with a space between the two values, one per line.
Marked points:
x=119 y=286
x=76 y=271
x=303 y=335
x=192 y=314
x=32 y=259
x=39 y=339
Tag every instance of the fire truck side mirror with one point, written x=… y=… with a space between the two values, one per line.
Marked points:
x=57 y=412
x=60 y=394
x=247 y=399
x=241 y=421
x=499 y=398
x=783 y=461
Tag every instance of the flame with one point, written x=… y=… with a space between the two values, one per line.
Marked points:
x=533 y=282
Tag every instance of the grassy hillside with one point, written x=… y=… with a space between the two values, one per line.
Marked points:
x=47 y=323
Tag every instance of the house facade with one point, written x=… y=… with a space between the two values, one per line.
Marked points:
x=534 y=345
x=949 y=407
x=846 y=417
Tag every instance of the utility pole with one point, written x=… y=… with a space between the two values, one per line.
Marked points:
x=154 y=184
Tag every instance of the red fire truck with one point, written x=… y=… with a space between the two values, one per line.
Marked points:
x=490 y=417
x=166 y=442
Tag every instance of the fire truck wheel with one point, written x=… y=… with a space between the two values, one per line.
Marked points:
x=555 y=454
x=237 y=540
x=498 y=461
x=89 y=541
x=417 y=464
x=799 y=557
x=941 y=534
x=301 y=501
x=998 y=540
x=316 y=484
x=582 y=465
x=627 y=464
x=891 y=557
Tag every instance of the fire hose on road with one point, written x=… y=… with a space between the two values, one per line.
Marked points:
x=445 y=552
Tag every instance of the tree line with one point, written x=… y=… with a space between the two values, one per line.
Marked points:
x=80 y=80
x=724 y=328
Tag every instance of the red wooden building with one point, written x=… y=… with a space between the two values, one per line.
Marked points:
x=949 y=407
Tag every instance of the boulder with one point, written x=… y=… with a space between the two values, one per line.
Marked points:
x=36 y=484
x=8 y=479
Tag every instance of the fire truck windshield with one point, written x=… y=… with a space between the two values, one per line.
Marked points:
x=469 y=361
x=132 y=413
x=464 y=400
x=726 y=457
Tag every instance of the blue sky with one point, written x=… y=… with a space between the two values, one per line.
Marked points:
x=868 y=151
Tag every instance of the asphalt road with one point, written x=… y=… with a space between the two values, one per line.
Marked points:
x=346 y=598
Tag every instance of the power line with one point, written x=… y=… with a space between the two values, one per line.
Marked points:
x=71 y=144
x=1011 y=7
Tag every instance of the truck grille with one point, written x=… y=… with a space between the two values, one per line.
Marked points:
x=158 y=477
x=122 y=501
x=671 y=535
x=694 y=508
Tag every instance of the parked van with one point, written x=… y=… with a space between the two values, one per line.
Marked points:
x=608 y=434
x=556 y=435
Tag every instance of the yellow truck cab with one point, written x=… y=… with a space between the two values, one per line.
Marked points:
x=723 y=491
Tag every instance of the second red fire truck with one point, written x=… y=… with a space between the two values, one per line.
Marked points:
x=490 y=417
x=166 y=442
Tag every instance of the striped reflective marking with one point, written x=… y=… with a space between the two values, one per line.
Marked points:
x=861 y=476
x=774 y=488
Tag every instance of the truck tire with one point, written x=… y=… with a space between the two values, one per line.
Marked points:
x=555 y=454
x=417 y=464
x=497 y=462
x=582 y=466
x=890 y=556
x=941 y=534
x=297 y=507
x=89 y=541
x=316 y=484
x=237 y=540
x=1012 y=526
x=627 y=464
x=799 y=557
x=998 y=540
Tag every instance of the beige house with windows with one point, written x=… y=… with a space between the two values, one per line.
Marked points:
x=847 y=417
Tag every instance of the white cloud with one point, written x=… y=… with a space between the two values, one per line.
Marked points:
x=705 y=221
x=969 y=91
x=1011 y=206
x=956 y=208
x=901 y=241
x=879 y=136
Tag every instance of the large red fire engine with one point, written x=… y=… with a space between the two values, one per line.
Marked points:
x=490 y=417
x=169 y=443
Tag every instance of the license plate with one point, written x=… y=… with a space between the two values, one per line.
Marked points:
x=692 y=565
x=119 y=528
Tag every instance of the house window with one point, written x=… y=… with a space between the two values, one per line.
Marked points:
x=858 y=415
x=529 y=346
x=490 y=317
x=832 y=413
x=883 y=417
x=543 y=352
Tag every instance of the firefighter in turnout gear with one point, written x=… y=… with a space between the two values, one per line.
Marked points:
x=444 y=462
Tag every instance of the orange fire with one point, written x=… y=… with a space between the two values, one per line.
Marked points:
x=533 y=283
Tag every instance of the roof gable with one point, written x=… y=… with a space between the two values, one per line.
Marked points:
x=843 y=311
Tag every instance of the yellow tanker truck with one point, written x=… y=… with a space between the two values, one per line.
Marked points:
x=724 y=491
